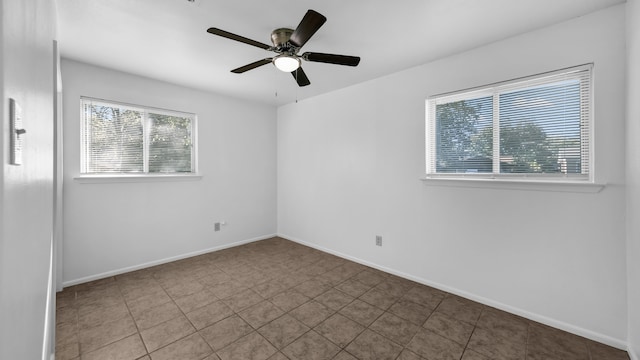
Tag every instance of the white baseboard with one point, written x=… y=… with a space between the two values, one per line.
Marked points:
x=161 y=261
x=632 y=354
x=601 y=338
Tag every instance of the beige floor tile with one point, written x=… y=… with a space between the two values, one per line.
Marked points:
x=193 y=347
x=214 y=278
x=167 y=332
x=242 y=300
x=311 y=313
x=249 y=347
x=504 y=324
x=312 y=288
x=353 y=287
x=269 y=289
x=425 y=296
x=150 y=317
x=546 y=342
x=196 y=300
x=253 y=279
x=148 y=301
x=67 y=314
x=369 y=278
x=372 y=346
x=379 y=298
x=209 y=314
x=289 y=300
x=129 y=348
x=334 y=299
x=96 y=302
x=339 y=329
x=68 y=352
x=311 y=346
x=394 y=328
x=434 y=347
x=184 y=288
x=225 y=332
x=472 y=355
x=225 y=289
x=106 y=333
x=135 y=290
x=335 y=276
x=460 y=310
x=495 y=346
x=212 y=357
x=283 y=331
x=293 y=279
x=278 y=356
x=601 y=351
x=394 y=287
x=410 y=311
x=343 y=355
x=260 y=313
x=361 y=312
x=66 y=333
x=66 y=298
x=408 y=355
x=101 y=315
x=449 y=327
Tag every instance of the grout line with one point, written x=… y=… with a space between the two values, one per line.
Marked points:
x=130 y=314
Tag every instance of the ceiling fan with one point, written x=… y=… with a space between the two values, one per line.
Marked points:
x=287 y=43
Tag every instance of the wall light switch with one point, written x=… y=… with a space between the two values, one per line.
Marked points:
x=17 y=133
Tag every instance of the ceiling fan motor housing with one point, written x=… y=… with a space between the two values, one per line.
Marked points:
x=280 y=39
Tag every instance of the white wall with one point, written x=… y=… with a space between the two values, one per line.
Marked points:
x=349 y=164
x=112 y=227
x=27 y=30
x=633 y=175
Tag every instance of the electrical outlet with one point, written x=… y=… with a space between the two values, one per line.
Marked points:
x=216 y=226
x=378 y=240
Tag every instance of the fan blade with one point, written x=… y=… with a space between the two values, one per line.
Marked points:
x=311 y=22
x=332 y=58
x=251 y=66
x=301 y=77
x=242 y=39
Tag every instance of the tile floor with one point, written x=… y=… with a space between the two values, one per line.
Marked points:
x=277 y=300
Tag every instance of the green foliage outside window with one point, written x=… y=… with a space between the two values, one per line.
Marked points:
x=120 y=139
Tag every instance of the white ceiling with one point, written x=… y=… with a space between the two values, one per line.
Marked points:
x=167 y=39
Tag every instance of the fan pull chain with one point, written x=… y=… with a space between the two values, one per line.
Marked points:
x=297 y=87
x=274 y=81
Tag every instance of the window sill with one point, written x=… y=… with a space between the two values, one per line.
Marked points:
x=509 y=184
x=125 y=178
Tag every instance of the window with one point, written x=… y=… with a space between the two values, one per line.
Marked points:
x=534 y=128
x=128 y=139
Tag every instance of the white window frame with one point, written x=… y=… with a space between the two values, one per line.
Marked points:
x=145 y=174
x=494 y=90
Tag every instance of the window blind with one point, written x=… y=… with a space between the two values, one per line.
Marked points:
x=121 y=138
x=112 y=138
x=534 y=127
x=169 y=143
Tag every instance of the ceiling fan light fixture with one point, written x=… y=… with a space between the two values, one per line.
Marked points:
x=286 y=44
x=286 y=63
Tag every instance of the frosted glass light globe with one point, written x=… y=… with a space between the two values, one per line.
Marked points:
x=286 y=63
